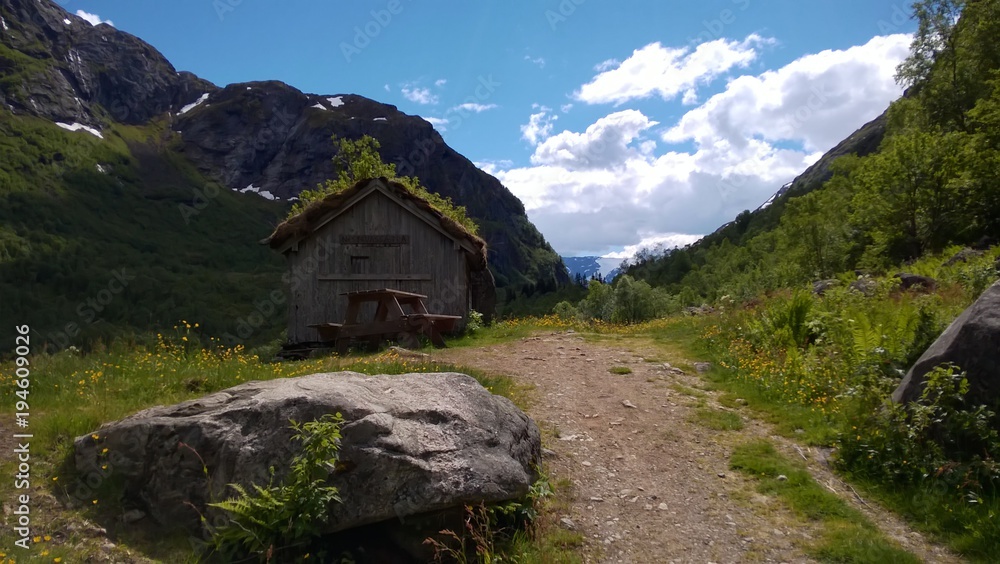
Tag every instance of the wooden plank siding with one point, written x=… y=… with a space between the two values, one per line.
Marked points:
x=378 y=242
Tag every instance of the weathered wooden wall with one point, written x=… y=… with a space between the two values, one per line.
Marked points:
x=373 y=244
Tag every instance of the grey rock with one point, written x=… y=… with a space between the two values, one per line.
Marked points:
x=971 y=342
x=133 y=515
x=916 y=282
x=962 y=256
x=702 y=367
x=821 y=286
x=568 y=523
x=412 y=444
x=864 y=285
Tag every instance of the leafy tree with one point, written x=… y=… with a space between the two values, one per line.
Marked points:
x=907 y=197
x=599 y=303
x=812 y=239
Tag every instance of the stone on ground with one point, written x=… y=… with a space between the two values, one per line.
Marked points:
x=972 y=343
x=412 y=444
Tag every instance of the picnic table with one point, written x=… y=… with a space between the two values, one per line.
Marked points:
x=398 y=315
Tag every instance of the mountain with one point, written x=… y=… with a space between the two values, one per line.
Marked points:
x=671 y=268
x=864 y=141
x=591 y=266
x=112 y=161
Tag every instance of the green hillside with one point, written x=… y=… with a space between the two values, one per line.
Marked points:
x=144 y=244
x=932 y=182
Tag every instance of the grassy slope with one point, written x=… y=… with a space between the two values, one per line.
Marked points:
x=187 y=249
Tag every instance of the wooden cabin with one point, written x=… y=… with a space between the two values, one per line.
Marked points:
x=375 y=235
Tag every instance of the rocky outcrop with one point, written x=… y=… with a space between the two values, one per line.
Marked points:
x=412 y=444
x=971 y=342
x=70 y=71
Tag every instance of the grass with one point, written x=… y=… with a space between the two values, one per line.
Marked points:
x=688 y=391
x=74 y=393
x=973 y=530
x=847 y=535
x=620 y=370
x=717 y=419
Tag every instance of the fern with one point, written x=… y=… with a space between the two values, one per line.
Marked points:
x=865 y=340
x=285 y=517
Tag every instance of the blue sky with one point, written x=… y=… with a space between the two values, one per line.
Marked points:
x=617 y=123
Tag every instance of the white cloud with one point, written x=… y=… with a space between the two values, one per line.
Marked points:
x=565 y=108
x=667 y=72
x=816 y=100
x=439 y=123
x=611 y=189
x=492 y=167
x=474 y=107
x=93 y=19
x=607 y=65
x=440 y=82
x=537 y=61
x=539 y=125
x=419 y=95
x=604 y=145
x=387 y=89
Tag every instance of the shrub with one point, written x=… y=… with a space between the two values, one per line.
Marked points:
x=474 y=322
x=284 y=519
x=566 y=310
x=938 y=438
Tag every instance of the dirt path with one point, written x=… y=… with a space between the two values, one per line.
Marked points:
x=650 y=485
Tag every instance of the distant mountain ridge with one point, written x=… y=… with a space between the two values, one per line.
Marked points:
x=588 y=267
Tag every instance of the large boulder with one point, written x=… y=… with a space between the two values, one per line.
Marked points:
x=412 y=444
x=971 y=342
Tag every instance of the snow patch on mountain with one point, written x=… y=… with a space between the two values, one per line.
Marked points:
x=262 y=193
x=588 y=267
x=80 y=127
x=194 y=104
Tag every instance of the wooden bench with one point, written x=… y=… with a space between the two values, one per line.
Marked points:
x=391 y=320
x=432 y=325
x=328 y=332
